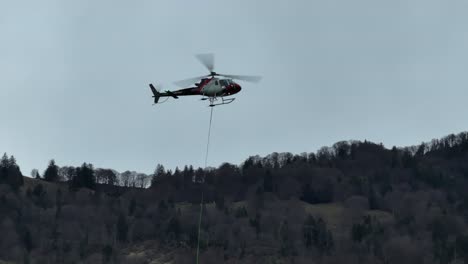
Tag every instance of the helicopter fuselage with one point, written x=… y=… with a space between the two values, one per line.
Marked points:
x=215 y=87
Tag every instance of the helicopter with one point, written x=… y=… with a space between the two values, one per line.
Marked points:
x=212 y=87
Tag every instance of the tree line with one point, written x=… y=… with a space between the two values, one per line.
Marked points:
x=353 y=202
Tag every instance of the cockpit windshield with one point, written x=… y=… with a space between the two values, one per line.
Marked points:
x=225 y=82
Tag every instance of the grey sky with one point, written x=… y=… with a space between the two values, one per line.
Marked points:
x=74 y=77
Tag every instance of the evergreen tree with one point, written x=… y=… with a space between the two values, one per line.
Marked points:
x=396 y=159
x=4 y=165
x=12 y=161
x=5 y=160
x=10 y=172
x=188 y=175
x=51 y=173
x=157 y=174
x=84 y=177
x=199 y=175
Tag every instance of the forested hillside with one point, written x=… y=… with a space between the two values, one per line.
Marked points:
x=353 y=202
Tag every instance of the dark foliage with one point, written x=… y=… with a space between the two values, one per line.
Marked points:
x=354 y=202
x=122 y=228
x=84 y=177
x=10 y=172
x=316 y=234
x=51 y=173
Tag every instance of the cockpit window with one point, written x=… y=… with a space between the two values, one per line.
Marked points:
x=223 y=82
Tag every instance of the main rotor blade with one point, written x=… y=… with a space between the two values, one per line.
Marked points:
x=189 y=82
x=207 y=59
x=247 y=78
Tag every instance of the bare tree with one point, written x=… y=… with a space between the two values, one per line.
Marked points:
x=125 y=178
x=142 y=180
x=106 y=176
x=66 y=173
x=35 y=174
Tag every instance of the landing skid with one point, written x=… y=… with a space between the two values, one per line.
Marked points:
x=223 y=101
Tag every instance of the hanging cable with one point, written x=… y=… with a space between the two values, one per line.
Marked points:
x=201 y=203
x=209 y=135
x=199 y=226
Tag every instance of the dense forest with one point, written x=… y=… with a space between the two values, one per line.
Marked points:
x=353 y=202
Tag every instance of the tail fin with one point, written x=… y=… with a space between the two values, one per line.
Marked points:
x=156 y=94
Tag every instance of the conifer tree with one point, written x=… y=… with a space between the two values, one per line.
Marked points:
x=51 y=173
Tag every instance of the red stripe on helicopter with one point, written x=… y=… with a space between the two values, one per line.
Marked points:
x=202 y=84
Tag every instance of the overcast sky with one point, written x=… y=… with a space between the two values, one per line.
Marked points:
x=74 y=78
